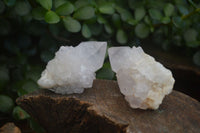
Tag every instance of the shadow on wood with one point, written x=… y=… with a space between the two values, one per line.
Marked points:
x=102 y=109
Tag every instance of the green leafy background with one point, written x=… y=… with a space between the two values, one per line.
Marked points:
x=31 y=31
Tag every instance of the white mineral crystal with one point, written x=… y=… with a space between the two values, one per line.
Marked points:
x=142 y=80
x=73 y=68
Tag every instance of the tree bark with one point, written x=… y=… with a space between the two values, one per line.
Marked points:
x=102 y=109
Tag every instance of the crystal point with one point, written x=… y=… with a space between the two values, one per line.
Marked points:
x=73 y=68
x=142 y=80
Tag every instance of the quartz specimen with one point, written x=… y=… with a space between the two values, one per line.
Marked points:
x=73 y=68
x=143 y=81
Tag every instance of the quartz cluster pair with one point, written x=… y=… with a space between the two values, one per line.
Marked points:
x=143 y=81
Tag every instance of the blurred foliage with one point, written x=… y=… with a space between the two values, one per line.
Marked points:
x=31 y=31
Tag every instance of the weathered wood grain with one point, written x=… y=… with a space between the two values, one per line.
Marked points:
x=102 y=109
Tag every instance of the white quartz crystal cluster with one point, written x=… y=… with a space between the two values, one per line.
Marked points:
x=73 y=68
x=143 y=81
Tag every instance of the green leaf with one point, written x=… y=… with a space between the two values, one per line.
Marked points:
x=22 y=8
x=34 y=73
x=6 y=104
x=142 y=30
x=116 y=20
x=180 y=2
x=155 y=14
x=193 y=4
x=71 y=24
x=47 y=4
x=132 y=22
x=158 y=4
x=105 y=72
x=10 y=2
x=125 y=14
x=147 y=20
x=81 y=3
x=21 y=92
x=108 y=29
x=91 y=20
x=65 y=9
x=178 y=22
x=96 y=29
x=35 y=126
x=107 y=8
x=30 y=86
x=51 y=17
x=190 y=35
x=165 y=20
x=196 y=58
x=133 y=4
x=101 y=20
x=2 y=6
x=86 y=31
x=58 y=3
x=38 y=13
x=121 y=37
x=20 y=114
x=84 y=13
x=182 y=9
x=193 y=44
x=168 y=9
x=139 y=13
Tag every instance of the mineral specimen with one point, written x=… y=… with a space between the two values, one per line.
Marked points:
x=142 y=80
x=73 y=68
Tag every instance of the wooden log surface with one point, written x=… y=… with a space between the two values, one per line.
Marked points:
x=102 y=109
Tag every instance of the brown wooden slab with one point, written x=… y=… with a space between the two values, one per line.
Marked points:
x=102 y=109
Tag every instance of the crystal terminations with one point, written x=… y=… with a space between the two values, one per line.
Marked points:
x=142 y=80
x=73 y=68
